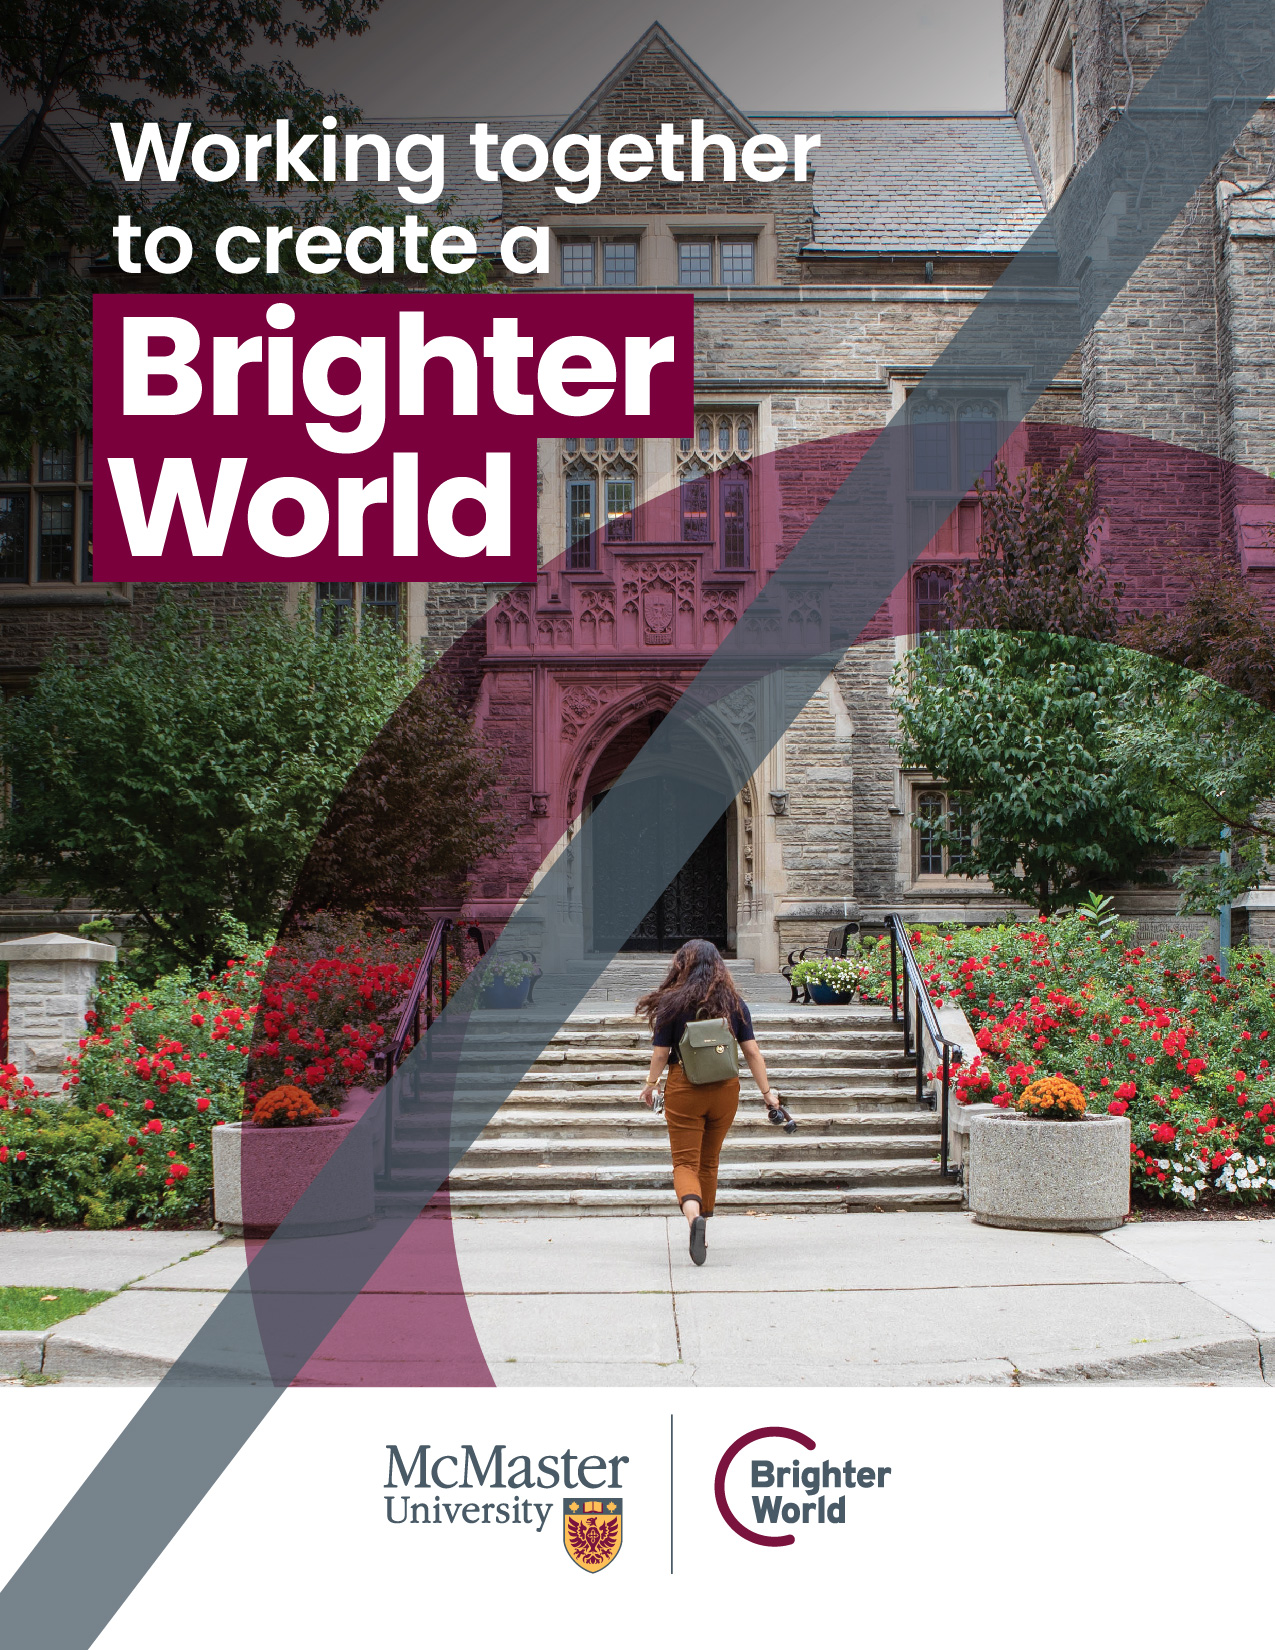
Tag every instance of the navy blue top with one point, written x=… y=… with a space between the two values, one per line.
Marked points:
x=669 y=1034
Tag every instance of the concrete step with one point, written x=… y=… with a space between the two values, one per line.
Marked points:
x=872 y=1038
x=514 y=1123
x=624 y=1096
x=555 y=1151
x=523 y=1204
x=808 y=1049
x=565 y=1132
x=840 y=1172
x=527 y=1023
x=599 y=1076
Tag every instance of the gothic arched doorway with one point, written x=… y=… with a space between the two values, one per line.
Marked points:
x=695 y=904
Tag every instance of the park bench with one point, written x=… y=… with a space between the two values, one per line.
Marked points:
x=838 y=945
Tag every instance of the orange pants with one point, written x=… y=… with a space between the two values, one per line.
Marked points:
x=699 y=1116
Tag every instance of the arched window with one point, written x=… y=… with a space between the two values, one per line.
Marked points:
x=931 y=446
x=733 y=486
x=581 y=501
x=695 y=489
x=939 y=813
x=932 y=587
x=930 y=808
x=620 y=500
x=979 y=424
x=716 y=487
x=600 y=479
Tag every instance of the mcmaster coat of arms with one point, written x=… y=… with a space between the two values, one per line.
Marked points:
x=591 y=1532
x=657 y=611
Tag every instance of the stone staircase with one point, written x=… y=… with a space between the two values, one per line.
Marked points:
x=571 y=1136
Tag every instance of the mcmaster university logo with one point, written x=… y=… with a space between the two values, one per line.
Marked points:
x=591 y=1531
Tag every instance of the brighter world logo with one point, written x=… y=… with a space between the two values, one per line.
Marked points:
x=796 y=1493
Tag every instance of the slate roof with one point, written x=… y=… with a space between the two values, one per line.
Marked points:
x=906 y=183
x=919 y=183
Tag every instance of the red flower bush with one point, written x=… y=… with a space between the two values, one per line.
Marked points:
x=1156 y=1033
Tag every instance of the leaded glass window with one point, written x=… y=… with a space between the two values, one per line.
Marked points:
x=57 y=463
x=581 y=493
x=338 y=605
x=933 y=586
x=931 y=447
x=333 y=607
x=695 y=508
x=733 y=485
x=716 y=486
x=600 y=479
x=979 y=429
x=46 y=516
x=57 y=538
x=15 y=516
x=380 y=601
x=940 y=814
x=930 y=808
x=86 y=540
x=620 y=511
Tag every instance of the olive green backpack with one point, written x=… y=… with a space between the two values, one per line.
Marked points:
x=708 y=1052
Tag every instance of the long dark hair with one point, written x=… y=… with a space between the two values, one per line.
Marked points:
x=698 y=983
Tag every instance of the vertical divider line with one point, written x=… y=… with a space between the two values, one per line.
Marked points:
x=670 y=1495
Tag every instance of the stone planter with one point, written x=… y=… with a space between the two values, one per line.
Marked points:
x=1049 y=1177
x=258 y=1174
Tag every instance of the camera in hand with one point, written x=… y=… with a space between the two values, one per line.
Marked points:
x=781 y=1114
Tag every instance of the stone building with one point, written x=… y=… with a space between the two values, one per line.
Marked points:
x=821 y=301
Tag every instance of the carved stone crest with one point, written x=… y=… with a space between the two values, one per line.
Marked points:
x=657 y=614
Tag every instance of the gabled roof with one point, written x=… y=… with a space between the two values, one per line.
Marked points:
x=656 y=36
x=883 y=183
x=57 y=139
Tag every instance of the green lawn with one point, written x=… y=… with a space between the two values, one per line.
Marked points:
x=39 y=1308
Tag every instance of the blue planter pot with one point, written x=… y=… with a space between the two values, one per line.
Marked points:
x=828 y=996
x=500 y=994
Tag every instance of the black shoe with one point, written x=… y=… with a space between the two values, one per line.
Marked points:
x=699 y=1240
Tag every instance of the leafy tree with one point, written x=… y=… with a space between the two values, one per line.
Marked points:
x=183 y=776
x=109 y=60
x=425 y=803
x=1034 y=570
x=1023 y=727
x=1204 y=757
x=1220 y=629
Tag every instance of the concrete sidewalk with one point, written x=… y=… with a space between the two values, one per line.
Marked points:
x=805 y=1300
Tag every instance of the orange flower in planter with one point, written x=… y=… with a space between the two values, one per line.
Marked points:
x=1054 y=1099
x=284 y=1107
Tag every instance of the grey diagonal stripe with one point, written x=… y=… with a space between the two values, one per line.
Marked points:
x=853 y=554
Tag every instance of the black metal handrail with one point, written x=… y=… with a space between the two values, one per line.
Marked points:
x=418 y=1005
x=913 y=984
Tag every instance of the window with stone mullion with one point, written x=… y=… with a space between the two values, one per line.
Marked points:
x=46 y=516
x=939 y=813
x=600 y=477
x=337 y=605
x=716 y=484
